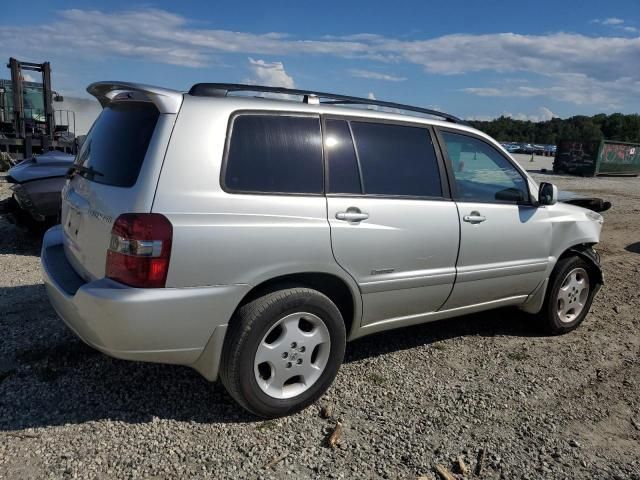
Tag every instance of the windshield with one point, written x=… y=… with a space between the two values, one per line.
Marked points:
x=33 y=102
x=33 y=98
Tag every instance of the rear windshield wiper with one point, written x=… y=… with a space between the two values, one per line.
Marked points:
x=89 y=172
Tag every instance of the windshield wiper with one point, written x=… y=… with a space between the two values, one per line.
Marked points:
x=82 y=170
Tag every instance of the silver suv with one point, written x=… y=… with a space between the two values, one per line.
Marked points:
x=250 y=238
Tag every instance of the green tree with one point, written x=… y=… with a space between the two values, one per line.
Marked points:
x=617 y=126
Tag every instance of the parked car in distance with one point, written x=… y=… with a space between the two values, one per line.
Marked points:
x=511 y=147
x=36 y=189
x=538 y=149
x=250 y=238
x=526 y=148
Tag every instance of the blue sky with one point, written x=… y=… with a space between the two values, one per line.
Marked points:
x=475 y=59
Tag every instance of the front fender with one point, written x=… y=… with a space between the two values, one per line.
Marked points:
x=574 y=231
x=588 y=254
x=573 y=228
x=535 y=301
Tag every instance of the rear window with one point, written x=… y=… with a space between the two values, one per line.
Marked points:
x=117 y=143
x=275 y=154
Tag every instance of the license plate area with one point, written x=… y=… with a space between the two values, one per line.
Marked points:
x=73 y=222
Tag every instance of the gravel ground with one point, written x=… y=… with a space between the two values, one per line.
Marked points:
x=484 y=386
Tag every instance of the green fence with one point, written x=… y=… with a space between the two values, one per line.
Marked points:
x=605 y=157
x=617 y=158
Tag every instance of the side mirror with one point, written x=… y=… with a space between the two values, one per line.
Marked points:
x=547 y=194
x=58 y=98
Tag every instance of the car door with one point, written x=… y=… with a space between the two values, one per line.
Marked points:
x=394 y=228
x=504 y=238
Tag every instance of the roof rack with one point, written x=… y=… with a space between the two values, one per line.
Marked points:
x=312 y=97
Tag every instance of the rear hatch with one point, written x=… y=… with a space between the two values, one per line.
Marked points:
x=116 y=170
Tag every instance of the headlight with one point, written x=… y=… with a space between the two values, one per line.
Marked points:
x=596 y=217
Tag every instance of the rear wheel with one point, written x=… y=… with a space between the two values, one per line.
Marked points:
x=569 y=297
x=283 y=351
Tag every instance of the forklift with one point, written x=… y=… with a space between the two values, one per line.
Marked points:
x=37 y=146
x=28 y=122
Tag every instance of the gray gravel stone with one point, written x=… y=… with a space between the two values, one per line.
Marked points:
x=408 y=399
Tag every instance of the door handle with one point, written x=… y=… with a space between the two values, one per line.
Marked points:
x=474 y=217
x=352 y=215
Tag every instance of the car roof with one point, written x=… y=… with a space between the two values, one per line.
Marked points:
x=170 y=101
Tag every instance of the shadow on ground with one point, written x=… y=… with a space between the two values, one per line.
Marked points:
x=501 y=322
x=633 y=247
x=48 y=377
x=15 y=240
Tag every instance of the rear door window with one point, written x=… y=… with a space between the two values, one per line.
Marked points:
x=344 y=176
x=275 y=154
x=396 y=160
x=116 y=145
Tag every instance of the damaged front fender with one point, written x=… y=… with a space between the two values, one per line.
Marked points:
x=588 y=254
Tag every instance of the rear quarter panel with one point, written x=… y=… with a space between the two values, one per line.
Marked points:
x=99 y=205
x=224 y=238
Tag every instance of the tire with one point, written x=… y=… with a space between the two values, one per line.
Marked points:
x=564 y=312
x=289 y=322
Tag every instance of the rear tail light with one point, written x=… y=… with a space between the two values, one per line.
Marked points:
x=140 y=250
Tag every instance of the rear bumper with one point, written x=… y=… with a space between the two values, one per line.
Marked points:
x=168 y=325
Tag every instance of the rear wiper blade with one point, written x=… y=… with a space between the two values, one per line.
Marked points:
x=89 y=171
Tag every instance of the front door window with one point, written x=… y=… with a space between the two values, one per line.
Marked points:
x=482 y=173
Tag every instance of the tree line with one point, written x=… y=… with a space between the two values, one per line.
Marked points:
x=617 y=126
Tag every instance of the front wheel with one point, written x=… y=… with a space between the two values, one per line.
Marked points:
x=569 y=297
x=283 y=351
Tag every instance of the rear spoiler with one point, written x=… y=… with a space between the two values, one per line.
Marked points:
x=165 y=100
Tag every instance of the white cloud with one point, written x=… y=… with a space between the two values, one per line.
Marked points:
x=577 y=89
x=85 y=111
x=598 y=57
x=28 y=77
x=159 y=36
x=271 y=74
x=608 y=21
x=543 y=115
x=617 y=23
x=480 y=118
x=489 y=92
x=375 y=75
x=546 y=114
x=371 y=96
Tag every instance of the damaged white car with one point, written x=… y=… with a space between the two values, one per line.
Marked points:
x=250 y=238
